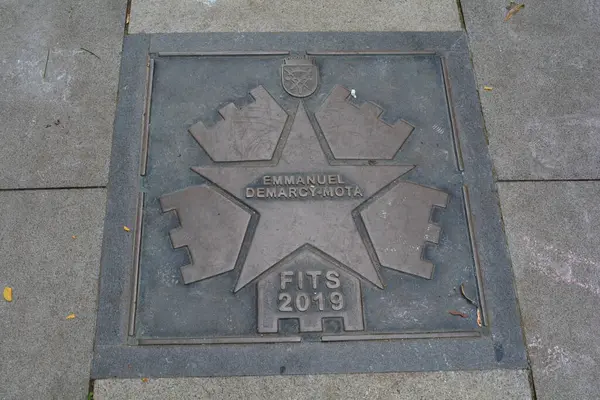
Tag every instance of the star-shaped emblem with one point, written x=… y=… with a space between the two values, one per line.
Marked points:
x=326 y=223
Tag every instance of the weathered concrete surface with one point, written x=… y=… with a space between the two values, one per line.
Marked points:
x=43 y=355
x=152 y=16
x=480 y=385
x=553 y=234
x=57 y=100
x=543 y=115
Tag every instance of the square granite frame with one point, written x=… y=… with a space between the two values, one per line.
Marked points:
x=117 y=353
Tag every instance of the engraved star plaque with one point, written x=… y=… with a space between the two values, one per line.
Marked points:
x=317 y=231
x=284 y=226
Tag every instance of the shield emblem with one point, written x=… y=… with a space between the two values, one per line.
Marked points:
x=299 y=76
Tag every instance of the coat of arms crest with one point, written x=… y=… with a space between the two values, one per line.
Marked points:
x=300 y=76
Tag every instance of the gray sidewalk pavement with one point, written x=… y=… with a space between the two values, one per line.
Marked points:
x=58 y=86
x=465 y=385
x=59 y=68
x=154 y=16
x=543 y=122
x=543 y=114
x=49 y=241
x=552 y=230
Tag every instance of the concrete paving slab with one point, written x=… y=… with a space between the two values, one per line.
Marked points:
x=552 y=231
x=486 y=385
x=154 y=16
x=50 y=246
x=58 y=84
x=543 y=114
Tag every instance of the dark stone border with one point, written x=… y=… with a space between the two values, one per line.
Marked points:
x=500 y=346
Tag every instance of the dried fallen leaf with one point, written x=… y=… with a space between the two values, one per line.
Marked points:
x=145 y=380
x=7 y=293
x=126 y=228
x=464 y=294
x=488 y=88
x=514 y=8
x=458 y=314
x=71 y=316
x=479 y=322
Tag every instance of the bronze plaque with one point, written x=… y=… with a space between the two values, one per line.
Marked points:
x=301 y=210
x=356 y=218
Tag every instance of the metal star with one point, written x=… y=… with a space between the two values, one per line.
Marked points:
x=284 y=225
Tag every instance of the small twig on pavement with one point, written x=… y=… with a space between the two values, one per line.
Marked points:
x=46 y=65
x=91 y=52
